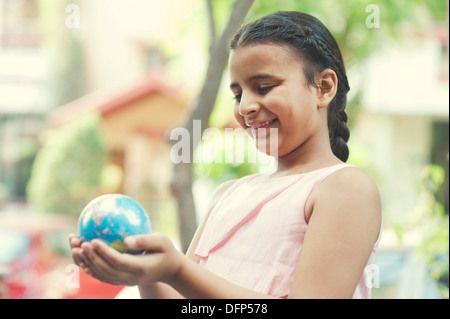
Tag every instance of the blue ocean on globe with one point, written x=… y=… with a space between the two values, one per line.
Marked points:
x=111 y=218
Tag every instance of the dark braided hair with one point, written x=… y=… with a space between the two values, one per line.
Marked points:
x=316 y=46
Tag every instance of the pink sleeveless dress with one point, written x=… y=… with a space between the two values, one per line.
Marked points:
x=254 y=234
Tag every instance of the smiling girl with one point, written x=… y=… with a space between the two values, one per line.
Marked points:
x=310 y=229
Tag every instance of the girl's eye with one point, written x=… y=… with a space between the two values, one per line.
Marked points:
x=265 y=89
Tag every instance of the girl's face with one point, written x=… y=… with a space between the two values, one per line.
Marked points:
x=271 y=91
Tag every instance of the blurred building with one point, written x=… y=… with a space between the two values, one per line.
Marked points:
x=120 y=41
x=47 y=61
x=403 y=126
x=404 y=122
x=135 y=125
x=24 y=94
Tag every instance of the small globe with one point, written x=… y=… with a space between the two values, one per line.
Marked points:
x=111 y=218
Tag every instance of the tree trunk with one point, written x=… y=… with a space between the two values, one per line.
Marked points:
x=182 y=175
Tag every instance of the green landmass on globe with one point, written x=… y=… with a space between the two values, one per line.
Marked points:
x=119 y=246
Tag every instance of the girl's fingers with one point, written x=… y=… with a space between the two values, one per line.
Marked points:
x=97 y=266
x=77 y=255
x=74 y=241
x=120 y=261
x=105 y=263
x=75 y=244
x=153 y=242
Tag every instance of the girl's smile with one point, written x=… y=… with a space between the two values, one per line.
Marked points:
x=260 y=128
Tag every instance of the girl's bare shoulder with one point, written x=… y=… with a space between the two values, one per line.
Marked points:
x=350 y=181
x=349 y=190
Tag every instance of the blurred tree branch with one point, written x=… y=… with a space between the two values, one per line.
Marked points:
x=211 y=24
x=182 y=177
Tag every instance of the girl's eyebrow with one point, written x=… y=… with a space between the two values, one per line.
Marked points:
x=253 y=78
x=259 y=76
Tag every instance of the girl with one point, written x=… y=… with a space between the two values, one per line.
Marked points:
x=306 y=231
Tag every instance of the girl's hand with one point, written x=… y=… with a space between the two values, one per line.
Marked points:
x=75 y=244
x=160 y=262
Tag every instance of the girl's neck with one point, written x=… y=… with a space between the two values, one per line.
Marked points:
x=304 y=159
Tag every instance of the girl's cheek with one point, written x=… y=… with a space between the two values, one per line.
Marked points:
x=240 y=119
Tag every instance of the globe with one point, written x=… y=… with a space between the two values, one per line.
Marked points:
x=111 y=218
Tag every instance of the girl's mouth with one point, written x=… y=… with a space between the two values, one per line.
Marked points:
x=261 y=124
x=261 y=127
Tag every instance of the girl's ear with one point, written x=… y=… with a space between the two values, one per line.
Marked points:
x=327 y=82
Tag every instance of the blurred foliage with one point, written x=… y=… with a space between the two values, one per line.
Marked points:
x=213 y=154
x=346 y=19
x=432 y=221
x=67 y=172
x=111 y=178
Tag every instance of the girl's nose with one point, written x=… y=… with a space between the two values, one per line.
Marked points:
x=248 y=108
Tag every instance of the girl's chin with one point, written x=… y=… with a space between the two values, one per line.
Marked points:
x=268 y=146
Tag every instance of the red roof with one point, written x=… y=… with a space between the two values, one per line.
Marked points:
x=108 y=101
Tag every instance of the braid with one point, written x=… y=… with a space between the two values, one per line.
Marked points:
x=339 y=132
x=311 y=41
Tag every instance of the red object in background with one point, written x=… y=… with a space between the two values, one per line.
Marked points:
x=31 y=267
x=91 y=288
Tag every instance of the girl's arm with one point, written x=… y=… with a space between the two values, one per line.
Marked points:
x=343 y=226
x=158 y=290
x=164 y=291
x=194 y=281
x=163 y=264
